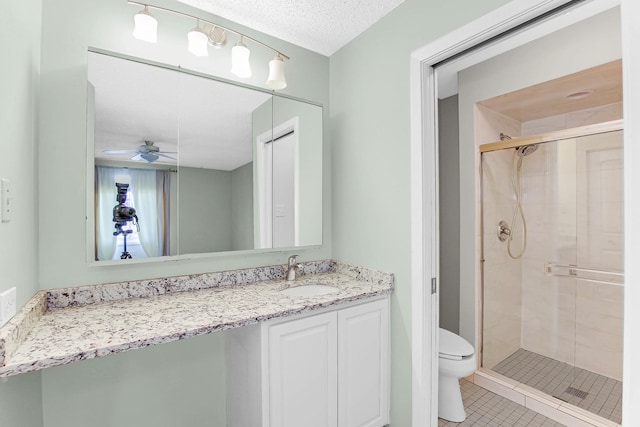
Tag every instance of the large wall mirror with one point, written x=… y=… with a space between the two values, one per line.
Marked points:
x=186 y=164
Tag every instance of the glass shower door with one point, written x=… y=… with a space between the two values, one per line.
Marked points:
x=552 y=288
x=597 y=385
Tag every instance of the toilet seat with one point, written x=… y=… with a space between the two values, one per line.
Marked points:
x=452 y=346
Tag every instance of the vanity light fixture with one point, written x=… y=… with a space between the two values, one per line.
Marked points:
x=146 y=26
x=198 y=41
x=240 y=65
x=215 y=35
x=276 y=78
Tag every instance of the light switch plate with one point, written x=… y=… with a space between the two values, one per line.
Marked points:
x=7 y=305
x=5 y=186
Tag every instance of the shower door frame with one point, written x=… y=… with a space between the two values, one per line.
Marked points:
x=558 y=135
x=424 y=183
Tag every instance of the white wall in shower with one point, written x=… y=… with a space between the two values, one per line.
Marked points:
x=502 y=303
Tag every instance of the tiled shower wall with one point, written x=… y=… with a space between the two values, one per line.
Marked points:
x=577 y=322
x=502 y=304
x=502 y=301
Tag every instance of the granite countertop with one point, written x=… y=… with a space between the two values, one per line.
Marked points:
x=62 y=326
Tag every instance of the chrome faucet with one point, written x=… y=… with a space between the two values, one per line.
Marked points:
x=292 y=267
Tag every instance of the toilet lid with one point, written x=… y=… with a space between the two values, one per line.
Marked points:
x=453 y=345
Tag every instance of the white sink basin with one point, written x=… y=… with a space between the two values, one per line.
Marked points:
x=311 y=290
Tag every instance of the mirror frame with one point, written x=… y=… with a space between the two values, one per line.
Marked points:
x=90 y=172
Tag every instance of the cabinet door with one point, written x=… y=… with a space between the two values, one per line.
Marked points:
x=302 y=369
x=363 y=365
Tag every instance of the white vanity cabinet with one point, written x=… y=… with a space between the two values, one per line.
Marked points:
x=363 y=365
x=301 y=372
x=315 y=370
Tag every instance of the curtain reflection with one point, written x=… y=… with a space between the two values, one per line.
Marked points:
x=150 y=197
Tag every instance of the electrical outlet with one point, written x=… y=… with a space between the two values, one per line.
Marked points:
x=7 y=305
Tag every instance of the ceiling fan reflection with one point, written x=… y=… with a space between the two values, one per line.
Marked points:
x=148 y=152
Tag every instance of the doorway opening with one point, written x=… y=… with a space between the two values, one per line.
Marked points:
x=429 y=65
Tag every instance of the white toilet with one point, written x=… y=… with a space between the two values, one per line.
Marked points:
x=456 y=360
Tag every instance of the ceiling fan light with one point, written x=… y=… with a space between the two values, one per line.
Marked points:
x=149 y=157
x=198 y=40
x=276 y=79
x=146 y=26
x=240 y=65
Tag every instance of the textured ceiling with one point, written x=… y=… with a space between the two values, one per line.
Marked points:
x=323 y=26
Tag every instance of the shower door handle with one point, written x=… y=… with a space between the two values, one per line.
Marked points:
x=595 y=275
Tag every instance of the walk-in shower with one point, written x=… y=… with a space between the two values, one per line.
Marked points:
x=552 y=281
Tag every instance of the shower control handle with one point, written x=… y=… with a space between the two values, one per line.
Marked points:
x=503 y=231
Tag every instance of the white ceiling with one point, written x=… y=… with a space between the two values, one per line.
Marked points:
x=135 y=102
x=323 y=26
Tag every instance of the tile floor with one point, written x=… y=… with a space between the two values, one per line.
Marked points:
x=595 y=393
x=485 y=408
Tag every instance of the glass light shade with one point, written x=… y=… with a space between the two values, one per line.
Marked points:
x=198 y=42
x=240 y=65
x=276 y=79
x=146 y=26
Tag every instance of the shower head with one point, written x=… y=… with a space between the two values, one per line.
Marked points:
x=525 y=150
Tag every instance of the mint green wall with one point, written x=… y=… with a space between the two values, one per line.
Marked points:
x=19 y=86
x=21 y=396
x=170 y=385
x=242 y=207
x=262 y=120
x=370 y=157
x=215 y=209
x=21 y=401
x=204 y=210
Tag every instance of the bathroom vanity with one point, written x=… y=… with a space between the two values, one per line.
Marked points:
x=62 y=326
x=312 y=369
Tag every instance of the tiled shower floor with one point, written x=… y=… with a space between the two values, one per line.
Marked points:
x=590 y=391
x=485 y=408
